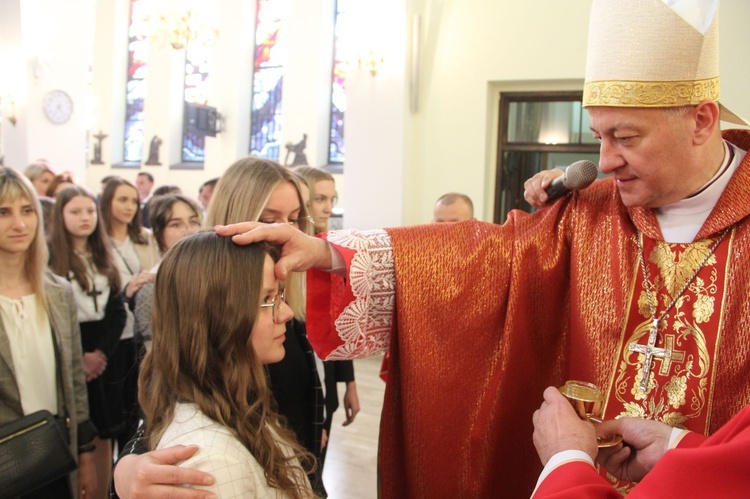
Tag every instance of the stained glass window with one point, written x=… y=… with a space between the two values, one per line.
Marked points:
x=136 y=85
x=268 y=76
x=341 y=49
x=197 y=63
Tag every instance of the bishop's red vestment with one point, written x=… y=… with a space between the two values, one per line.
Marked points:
x=479 y=319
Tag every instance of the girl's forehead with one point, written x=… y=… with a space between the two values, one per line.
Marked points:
x=9 y=196
x=125 y=189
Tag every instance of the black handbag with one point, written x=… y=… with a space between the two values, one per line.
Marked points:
x=35 y=449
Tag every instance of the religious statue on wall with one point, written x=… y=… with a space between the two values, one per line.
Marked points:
x=98 y=148
x=153 y=151
x=299 y=152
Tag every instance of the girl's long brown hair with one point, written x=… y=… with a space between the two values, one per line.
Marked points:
x=108 y=195
x=64 y=261
x=206 y=302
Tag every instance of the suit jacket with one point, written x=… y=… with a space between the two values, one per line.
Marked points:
x=63 y=318
x=296 y=388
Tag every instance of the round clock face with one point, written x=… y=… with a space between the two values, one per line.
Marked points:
x=58 y=106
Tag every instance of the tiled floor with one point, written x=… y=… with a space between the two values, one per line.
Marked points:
x=351 y=465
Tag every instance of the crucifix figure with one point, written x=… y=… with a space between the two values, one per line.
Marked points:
x=94 y=294
x=98 y=148
x=650 y=351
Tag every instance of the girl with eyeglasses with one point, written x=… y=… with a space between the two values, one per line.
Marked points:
x=219 y=316
x=262 y=190
x=172 y=217
x=82 y=255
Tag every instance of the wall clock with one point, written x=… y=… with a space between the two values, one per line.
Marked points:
x=57 y=106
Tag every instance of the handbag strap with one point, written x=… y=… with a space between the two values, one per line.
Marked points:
x=58 y=365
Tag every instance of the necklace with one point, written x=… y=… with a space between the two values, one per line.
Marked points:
x=650 y=350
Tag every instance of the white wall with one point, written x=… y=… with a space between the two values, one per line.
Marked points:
x=46 y=54
x=375 y=125
x=476 y=48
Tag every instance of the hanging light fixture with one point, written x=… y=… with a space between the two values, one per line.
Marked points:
x=177 y=25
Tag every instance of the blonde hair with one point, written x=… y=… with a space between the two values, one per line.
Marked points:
x=312 y=175
x=206 y=303
x=241 y=196
x=37 y=168
x=13 y=186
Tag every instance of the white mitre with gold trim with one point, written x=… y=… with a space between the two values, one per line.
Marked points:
x=653 y=53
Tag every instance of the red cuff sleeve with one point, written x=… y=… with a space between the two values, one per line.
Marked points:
x=327 y=296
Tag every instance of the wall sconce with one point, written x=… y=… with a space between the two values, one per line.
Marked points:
x=371 y=61
x=10 y=102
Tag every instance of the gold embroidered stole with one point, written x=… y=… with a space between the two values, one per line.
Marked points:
x=680 y=386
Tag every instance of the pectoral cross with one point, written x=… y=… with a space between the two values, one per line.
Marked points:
x=650 y=351
x=676 y=355
x=94 y=294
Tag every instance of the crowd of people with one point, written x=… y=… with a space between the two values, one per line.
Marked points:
x=100 y=264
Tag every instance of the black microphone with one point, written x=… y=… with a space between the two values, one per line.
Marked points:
x=577 y=176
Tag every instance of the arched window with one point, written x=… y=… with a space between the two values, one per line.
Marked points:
x=341 y=56
x=197 y=64
x=136 y=85
x=268 y=77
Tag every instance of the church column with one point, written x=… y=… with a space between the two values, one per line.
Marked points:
x=164 y=105
x=13 y=100
x=48 y=43
x=231 y=84
x=108 y=85
x=376 y=114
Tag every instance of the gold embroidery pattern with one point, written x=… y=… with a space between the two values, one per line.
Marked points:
x=667 y=397
x=649 y=94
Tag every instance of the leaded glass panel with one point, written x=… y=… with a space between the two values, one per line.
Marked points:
x=136 y=84
x=197 y=65
x=341 y=56
x=268 y=78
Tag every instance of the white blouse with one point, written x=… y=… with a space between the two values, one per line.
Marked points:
x=30 y=337
x=220 y=453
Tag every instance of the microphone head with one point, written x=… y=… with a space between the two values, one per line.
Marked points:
x=580 y=175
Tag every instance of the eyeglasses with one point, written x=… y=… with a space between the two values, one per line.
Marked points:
x=301 y=223
x=276 y=303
